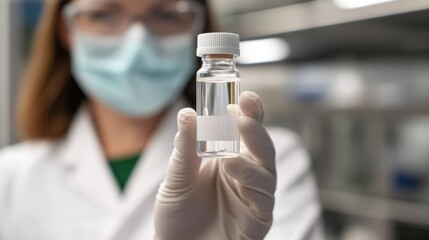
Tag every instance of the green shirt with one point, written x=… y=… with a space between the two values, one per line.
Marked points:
x=122 y=169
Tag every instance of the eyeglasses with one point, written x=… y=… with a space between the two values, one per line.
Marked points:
x=167 y=18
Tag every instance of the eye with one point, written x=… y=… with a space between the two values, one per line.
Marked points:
x=103 y=16
x=163 y=16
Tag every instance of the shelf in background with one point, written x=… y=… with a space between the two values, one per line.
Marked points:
x=311 y=15
x=372 y=207
x=358 y=111
x=319 y=28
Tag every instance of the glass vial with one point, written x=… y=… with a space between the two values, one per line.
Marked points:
x=218 y=89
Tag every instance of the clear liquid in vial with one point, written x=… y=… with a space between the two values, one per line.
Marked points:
x=217 y=113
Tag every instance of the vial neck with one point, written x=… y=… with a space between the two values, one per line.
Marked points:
x=219 y=60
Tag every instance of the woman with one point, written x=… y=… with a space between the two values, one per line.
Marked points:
x=98 y=111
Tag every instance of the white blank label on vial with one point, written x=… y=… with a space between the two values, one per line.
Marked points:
x=217 y=128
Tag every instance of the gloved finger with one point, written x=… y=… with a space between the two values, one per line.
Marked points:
x=184 y=164
x=249 y=213
x=258 y=142
x=250 y=175
x=261 y=205
x=251 y=105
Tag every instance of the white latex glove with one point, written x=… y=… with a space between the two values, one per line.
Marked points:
x=224 y=198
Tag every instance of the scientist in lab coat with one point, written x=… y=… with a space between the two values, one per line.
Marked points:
x=109 y=140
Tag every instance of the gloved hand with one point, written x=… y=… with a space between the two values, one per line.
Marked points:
x=224 y=198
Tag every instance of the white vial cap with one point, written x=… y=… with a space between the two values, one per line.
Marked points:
x=218 y=43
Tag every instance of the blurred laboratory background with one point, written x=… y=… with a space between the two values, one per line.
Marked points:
x=351 y=77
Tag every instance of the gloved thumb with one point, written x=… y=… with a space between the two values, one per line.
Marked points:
x=184 y=165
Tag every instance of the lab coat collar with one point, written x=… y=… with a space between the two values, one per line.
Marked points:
x=139 y=195
x=85 y=163
x=84 y=160
x=151 y=167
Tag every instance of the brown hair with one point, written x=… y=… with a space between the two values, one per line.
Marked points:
x=49 y=96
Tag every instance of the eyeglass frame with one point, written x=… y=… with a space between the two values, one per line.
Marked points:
x=71 y=9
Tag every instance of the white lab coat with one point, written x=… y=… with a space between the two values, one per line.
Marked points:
x=64 y=190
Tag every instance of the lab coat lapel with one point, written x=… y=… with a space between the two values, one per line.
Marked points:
x=152 y=165
x=143 y=185
x=85 y=163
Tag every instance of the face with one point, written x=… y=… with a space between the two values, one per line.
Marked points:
x=135 y=56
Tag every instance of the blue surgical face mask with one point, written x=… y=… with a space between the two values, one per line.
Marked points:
x=136 y=73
